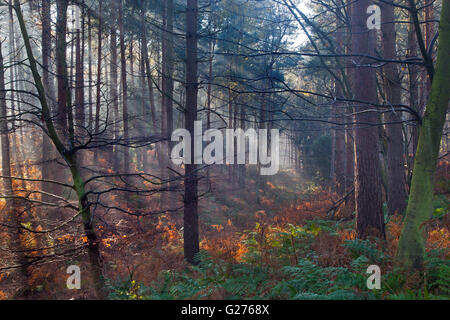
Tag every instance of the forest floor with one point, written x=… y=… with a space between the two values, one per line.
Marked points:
x=270 y=240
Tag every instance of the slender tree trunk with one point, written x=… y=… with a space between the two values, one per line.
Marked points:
x=262 y=125
x=350 y=203
x=13 y=73
x=168 y=73
x=168 y=70
x=16 y=72
x=411 y=248
x=230 y=122
x=126 y=163
x=47 y=148
x=211 y=48
x=191 y=235
x=339 y=151
x=99 y=75
x=63 y=91
x=209 y=89
x=163 y=161
x=413 y=94
x=396 y=174
x=90 y=98
x=114 y=80
x=72 y=65
x=242 y=167
x=79 y=90
x=338 y=164
x=17 y=136
x=61 y=65
x=429 y=34
x=143 y=124
x=148 y=74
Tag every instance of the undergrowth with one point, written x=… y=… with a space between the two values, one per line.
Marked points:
x=271 y=247
x=307 y=278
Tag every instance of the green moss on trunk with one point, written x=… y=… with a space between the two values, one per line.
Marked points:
x=70 y=159
x=411 y=247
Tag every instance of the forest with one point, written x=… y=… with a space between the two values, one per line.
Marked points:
x=224 y=149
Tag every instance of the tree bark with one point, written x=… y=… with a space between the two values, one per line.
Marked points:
x=191 y=235
x=368 y=195
x=47 y=150
x=79 y=89
x=123 y=62
x=148 y=72
x=114 y=81
x=396 y=174
x=61 y=65
x=411 y=246
x=63 y=103
x=167 y=86
x=90 y=93
x=338 y=164
x=99 y=75
x=168 y=73
x=414 y=103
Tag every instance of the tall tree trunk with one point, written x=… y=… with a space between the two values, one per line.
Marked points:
x=411 y=246
x=163 y=161
x=369 y=219
x=13 y=73
x=114 y=81
x=338 y=164
x=16 y=72
x=350 y=203
x=230 y=126
x=168 y=74
x=413 y=86
x=46 y=56
x=143 y=124
x=191 y=236
x=396 y=175
x=339 y=150
x=211 y=48
x=79 y=89
x=61 y=65
x=242 y=167
x=63 y=91
x=99 y=76
x=349 y=180
x=48 y=151
x=90 y=93
x=148 y=74
x=261 y=179
x=123 y=61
